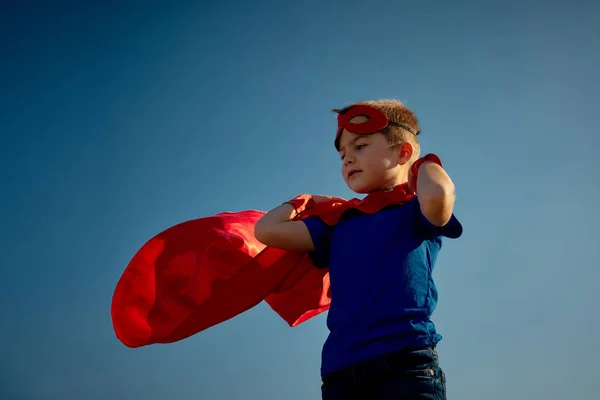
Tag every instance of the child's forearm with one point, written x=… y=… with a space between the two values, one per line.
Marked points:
x=278 y=215
x=436 y=193
x=276 y=229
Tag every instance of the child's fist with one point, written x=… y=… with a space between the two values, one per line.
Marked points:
x=308 y=201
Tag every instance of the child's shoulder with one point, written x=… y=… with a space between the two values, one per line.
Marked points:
x=405 y=217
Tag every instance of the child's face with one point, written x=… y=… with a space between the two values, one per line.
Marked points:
x=370 y=163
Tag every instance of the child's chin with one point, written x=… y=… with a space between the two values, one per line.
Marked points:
x=360 y=189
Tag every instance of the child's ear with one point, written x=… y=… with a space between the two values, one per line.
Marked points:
x=406 y=152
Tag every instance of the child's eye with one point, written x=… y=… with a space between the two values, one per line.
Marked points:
x=360 y=146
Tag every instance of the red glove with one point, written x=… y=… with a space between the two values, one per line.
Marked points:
x=301 y=203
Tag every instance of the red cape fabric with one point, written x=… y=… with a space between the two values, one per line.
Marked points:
x=202 y=272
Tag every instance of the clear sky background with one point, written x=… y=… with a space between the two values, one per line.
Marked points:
x=121 y=119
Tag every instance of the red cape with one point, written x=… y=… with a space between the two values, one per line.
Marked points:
x=202 y=272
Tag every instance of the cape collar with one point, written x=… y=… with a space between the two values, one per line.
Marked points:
x=372 y=203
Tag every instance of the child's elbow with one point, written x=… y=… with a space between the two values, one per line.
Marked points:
x=444 y=192
x=261 y=231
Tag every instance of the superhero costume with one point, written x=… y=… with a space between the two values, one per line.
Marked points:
x=202 y=272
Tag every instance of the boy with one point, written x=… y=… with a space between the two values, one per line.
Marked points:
x=382 y=342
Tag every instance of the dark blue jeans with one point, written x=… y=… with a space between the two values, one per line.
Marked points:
x=405 y=375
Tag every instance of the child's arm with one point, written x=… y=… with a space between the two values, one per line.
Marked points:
x=276 y=228
x=436 y=193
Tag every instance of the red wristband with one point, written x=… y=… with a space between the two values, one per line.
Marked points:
x=414 y=169
x=301 y=203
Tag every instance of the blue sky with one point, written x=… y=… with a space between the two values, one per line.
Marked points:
x=119 y=121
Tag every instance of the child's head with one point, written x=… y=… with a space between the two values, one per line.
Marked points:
x=377 y=141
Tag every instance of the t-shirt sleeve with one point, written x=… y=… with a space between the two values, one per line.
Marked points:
x=321 y=235
x=453 y=229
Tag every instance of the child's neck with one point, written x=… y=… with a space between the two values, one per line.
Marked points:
x=391 y=187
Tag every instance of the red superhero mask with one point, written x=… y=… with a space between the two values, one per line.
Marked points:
x=376 y=122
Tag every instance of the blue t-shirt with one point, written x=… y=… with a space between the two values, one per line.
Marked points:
x=382 y=290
